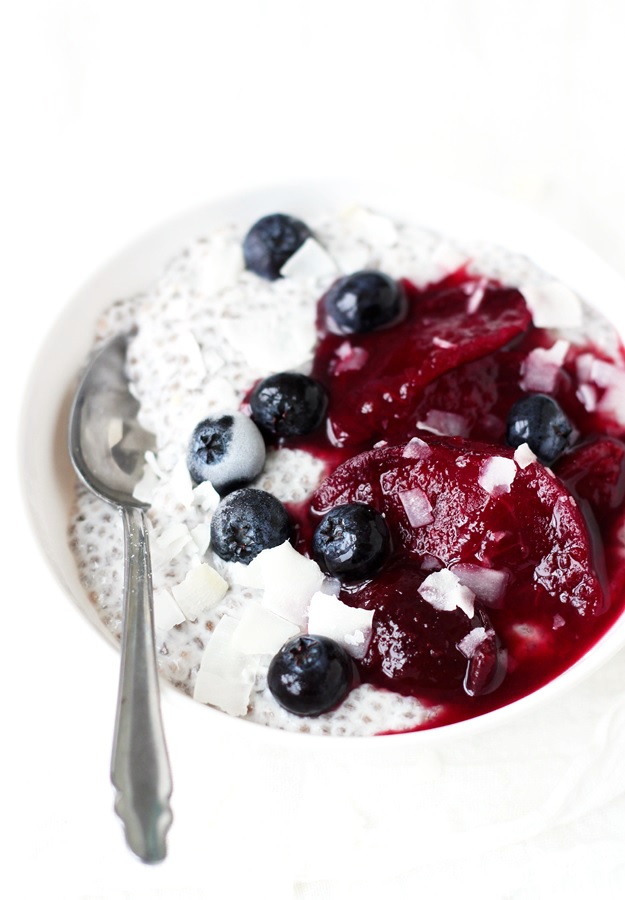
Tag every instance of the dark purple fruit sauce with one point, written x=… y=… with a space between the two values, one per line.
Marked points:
x=455 y=361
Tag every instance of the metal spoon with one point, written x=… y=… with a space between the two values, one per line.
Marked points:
x=107 y=447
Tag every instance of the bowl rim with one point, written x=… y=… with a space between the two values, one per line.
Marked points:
x=447 y=206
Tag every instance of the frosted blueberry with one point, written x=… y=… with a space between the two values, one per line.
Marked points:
x=271 y=241
x=227 y=450
x=246 y=522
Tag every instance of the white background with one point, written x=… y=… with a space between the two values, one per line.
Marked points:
x=115 y=115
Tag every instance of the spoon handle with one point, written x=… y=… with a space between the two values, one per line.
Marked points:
x=140 y=766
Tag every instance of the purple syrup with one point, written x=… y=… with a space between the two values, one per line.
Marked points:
x=456 y=358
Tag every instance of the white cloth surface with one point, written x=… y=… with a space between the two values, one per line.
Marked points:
x=116 y=115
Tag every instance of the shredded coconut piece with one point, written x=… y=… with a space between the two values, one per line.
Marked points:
x=542 y=366
x=497 y=475
x=417 y=449
x=347 y=625
x=202 y=588
x=261 y=631
x=443 y=591
x=167 y=613
x=310 y=261
x=524 y=456
x=417 y=506
x=553 y=305
x=488 y=585
x=469 y=644
x=226 y=676
x=289 y=581
x=445 y=423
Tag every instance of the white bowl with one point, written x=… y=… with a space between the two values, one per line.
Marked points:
x=448 y=207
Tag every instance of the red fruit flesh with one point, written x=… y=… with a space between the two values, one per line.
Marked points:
x=436 y=336
x=456 y=363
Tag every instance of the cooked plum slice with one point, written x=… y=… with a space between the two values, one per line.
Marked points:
x=595 y=471
x=484 y=510
x=453 y=322
x=418 y=648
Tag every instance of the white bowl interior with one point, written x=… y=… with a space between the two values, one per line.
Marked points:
x=47 y=477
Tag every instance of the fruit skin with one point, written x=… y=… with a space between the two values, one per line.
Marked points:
x=539 y=421
x=288 y=404
x=227 y=450
x=310 y=675
x=595 y=471
x=552 y=568
x=351 y=542
x=414 y=647
x=364 y=301
x=246 y=522
x=271 y=241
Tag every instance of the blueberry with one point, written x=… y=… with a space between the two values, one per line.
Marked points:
x=351 y=542
x=288 y=404
x=363 y=302
x=538 y=420
x=228 y=451
x=271 y=241
x=247 y=522
x=310 y=675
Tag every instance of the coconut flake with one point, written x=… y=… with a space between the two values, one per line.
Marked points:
x=607 y=375
x=167 y=613
x=349 y=626
x=583 y=366
x=172 y=540
x=311 y=260
x=261 y=631
x=447 y=424
x=476 y=296
x=350 y=358
x=416 y=449
x=249 y=575
x=442 y=343
x=553 y=305
x=541 y=367
x=201 y=535
x=206 y=497
x=417 y=507
x=524 y=456
x=443 y=591
x=469 y=644
x=497 y=474
x=221 y=267
x=286 y=345
x=180 y=484
x=593 y=371
x=488 y=585
x=226 y=675
x=202 y=588
x=587 y=396
x=289 y=581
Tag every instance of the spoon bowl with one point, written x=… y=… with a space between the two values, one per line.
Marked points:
x=107 y=448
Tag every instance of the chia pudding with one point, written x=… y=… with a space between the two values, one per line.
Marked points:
x=493 y=530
